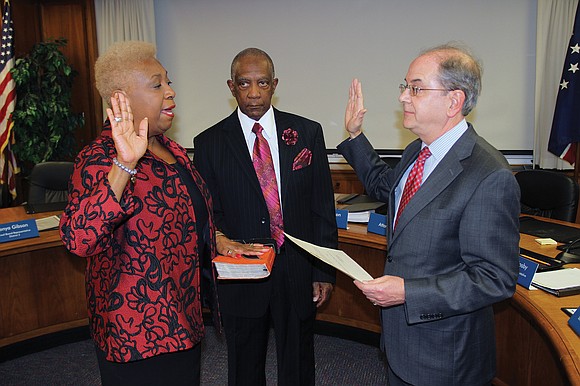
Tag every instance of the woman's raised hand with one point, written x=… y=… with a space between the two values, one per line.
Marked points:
x=130 y=144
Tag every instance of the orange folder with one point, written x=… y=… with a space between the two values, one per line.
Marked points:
x=245 y=267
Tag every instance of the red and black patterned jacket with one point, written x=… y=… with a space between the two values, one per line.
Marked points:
x=143 y=270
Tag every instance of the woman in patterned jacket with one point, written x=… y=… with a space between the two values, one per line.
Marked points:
x=141 y=214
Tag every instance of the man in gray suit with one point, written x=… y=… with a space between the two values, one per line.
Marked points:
x=453 y=245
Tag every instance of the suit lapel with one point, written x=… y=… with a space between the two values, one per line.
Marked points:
x=441 y=177
x=238 y=149
x=284 y=151
x=409 y=156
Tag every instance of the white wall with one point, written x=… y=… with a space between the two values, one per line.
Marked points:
x=318 y=46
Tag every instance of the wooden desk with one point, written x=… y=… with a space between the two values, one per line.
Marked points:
x=344 y=179
x=41 y=284
x=535 y=345
x=42 y=291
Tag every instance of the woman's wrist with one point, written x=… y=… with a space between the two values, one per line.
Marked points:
x=124 y=168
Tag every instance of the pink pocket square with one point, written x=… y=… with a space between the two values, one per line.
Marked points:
x=303 y=159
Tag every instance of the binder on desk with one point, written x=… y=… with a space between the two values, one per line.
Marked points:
x=245 y=266
x=360 y=206
x=562 y=282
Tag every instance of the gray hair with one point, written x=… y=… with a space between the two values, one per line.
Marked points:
x=251 y=52
x=459 y=70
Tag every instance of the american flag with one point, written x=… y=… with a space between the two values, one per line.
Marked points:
x=565 y=132
x=8 y=167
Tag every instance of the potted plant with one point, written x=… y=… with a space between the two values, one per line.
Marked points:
x=44 y=123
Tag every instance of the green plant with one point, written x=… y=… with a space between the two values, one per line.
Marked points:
x=44 y=123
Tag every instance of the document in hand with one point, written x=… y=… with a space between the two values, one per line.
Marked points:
x=245 y=267
x=334 y=257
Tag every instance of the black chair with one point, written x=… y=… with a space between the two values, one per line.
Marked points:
x=548 y=194
x=49 y=182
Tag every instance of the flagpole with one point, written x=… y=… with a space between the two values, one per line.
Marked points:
x=577 y=163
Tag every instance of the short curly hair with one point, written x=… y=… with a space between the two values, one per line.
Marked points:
x=113 y=69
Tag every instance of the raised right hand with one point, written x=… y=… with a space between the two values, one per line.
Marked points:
x=355 y=110
x=129 y=143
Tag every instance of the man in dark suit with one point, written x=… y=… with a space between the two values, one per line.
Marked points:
x=287 y=300
x=453 y=245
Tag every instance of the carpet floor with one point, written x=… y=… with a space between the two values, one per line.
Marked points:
x=338 y=362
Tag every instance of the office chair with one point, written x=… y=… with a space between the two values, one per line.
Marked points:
x=49 y=182
x=548 y=194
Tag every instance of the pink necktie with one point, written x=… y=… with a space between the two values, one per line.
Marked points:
x=413 y=182
x=262 y=159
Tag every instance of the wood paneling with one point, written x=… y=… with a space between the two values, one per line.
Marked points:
x=74 y=20
x=39 y=20
x=344 y=179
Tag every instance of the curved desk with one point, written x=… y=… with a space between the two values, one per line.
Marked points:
x=42 y=288
x=535 y=345
x=42 y=291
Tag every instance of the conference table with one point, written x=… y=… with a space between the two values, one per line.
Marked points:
x=42 y=292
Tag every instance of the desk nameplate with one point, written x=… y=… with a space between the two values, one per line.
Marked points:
x=18 y=230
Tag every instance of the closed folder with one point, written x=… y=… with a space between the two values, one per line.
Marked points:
x=562 y=282
x=245 y=266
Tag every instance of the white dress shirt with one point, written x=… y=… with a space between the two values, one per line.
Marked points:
x=439 y=148
x=268 y=123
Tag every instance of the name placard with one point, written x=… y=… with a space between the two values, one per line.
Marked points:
x=574 y=321
x=18 y=230
x=377 y=224
x=342 y=218
x=527 y=271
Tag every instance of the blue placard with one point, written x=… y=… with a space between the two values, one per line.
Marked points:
x=527 y=271
x=18 y=230
x=377 y=224
x=574 y=321
x=342 y=218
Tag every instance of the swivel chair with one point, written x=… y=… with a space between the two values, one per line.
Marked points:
x=548 y=194
x=49 y=183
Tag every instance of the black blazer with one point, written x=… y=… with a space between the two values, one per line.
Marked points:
x=223 y=160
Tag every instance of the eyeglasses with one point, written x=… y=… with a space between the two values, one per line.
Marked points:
x=415 y=90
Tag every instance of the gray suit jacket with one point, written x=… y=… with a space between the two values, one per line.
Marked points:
x=223 y=160
x=456 y=246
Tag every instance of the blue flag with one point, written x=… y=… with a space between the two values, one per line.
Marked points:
x=566 y=124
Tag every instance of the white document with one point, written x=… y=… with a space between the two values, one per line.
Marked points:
x=47 y=223
x=334 y=257
x=362 y=217
x=558 y=279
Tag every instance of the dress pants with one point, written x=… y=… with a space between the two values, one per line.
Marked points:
x=181 y=368
x=247 y=341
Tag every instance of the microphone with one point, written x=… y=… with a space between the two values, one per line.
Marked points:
x=568 y=257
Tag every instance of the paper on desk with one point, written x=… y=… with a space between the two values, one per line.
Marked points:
x=47 y=223
x=334 y=257
x=558 y=279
